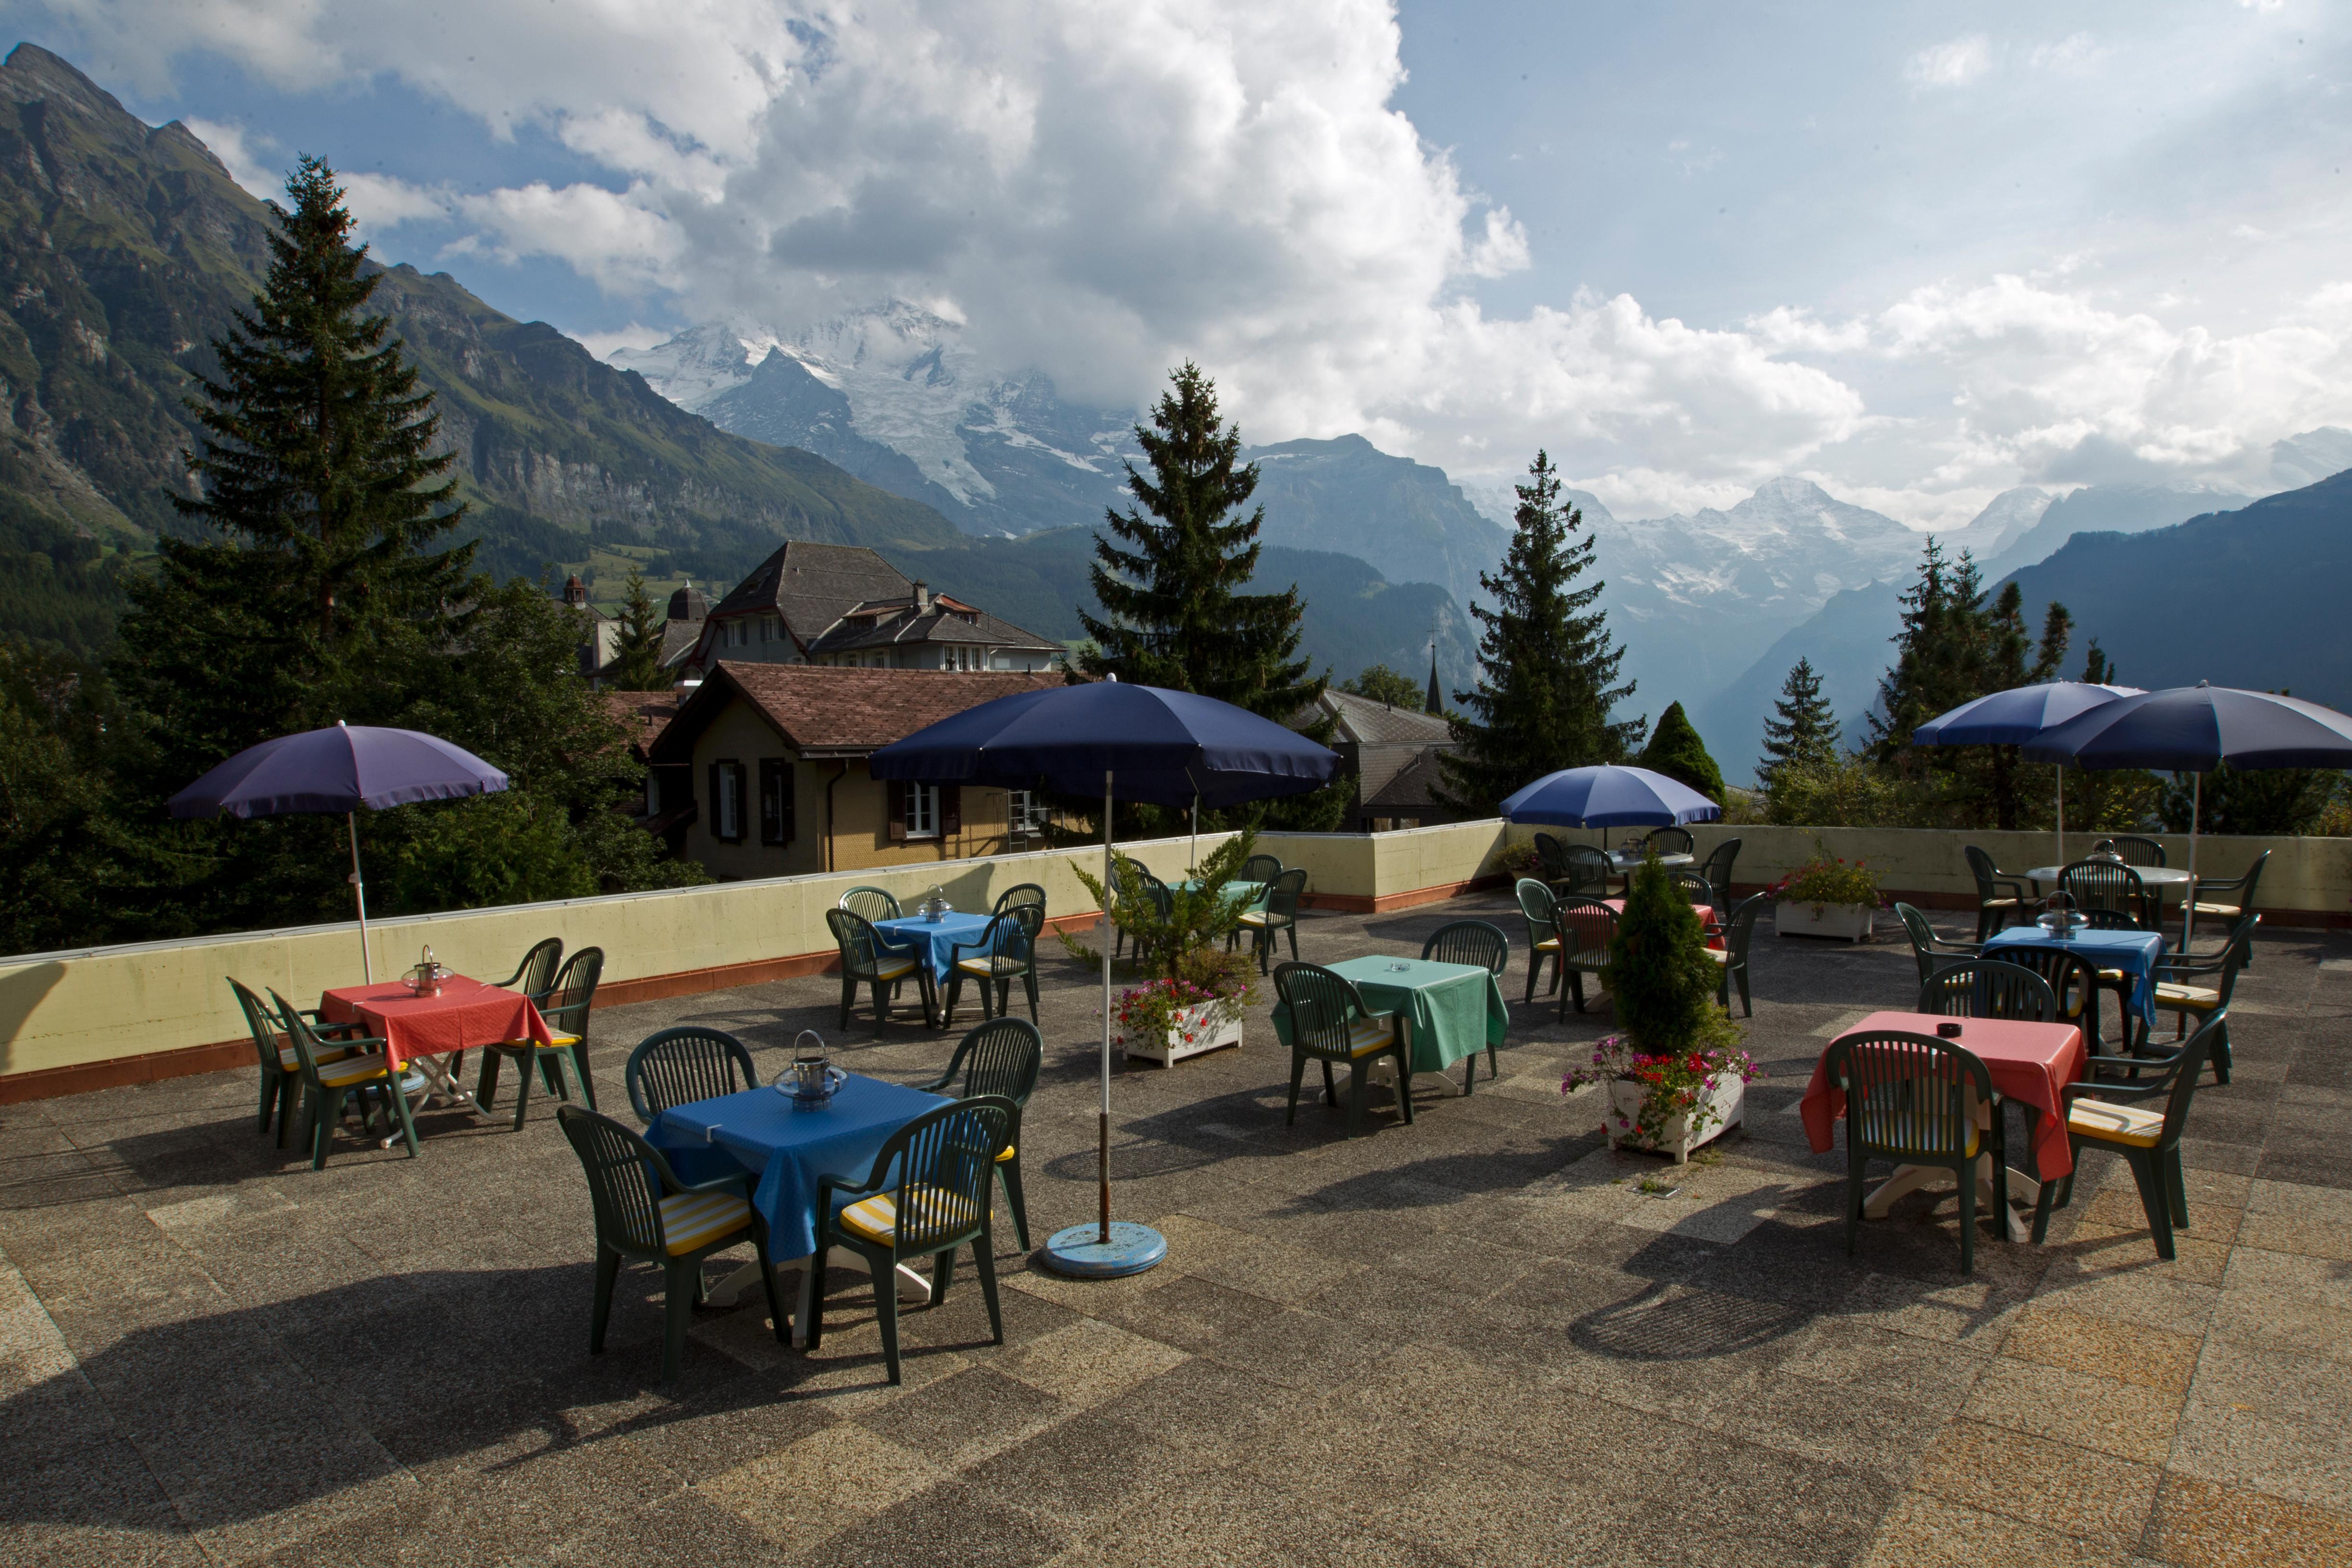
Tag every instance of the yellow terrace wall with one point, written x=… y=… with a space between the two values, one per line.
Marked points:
x=2305 y=876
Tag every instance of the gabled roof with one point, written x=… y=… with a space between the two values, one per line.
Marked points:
x=644 y=715
x=814 y=585
x=887 y=623
x=820 y=712
x=1407 y=790
x=1370 y=723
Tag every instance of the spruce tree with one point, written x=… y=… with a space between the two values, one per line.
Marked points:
x=1547 y=665
x=1676 y=750
x=1174 y=614
x=1802 y=731
x=315 y=510
x=636 y=657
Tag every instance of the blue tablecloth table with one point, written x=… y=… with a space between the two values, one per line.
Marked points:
x=1449 y=1010
x=2135 y=952
x=788 y=1148
x=934 y=938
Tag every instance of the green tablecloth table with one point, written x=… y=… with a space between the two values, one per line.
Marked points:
x=1251 y=893
x=1450 y=1010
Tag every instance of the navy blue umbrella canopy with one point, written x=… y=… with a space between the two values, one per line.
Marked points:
x=337 y=771
x=2195 y=729
x=2014 y=717
x=1608 y=796
x=1167 y=748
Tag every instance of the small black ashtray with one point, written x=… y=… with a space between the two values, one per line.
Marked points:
x=1948 y=1031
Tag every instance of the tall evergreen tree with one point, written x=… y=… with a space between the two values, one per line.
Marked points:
x=1676 y=750
x=1802 y=731
x=1174 y=614
x=1548 y=673
x=637 y=656
x=316 y=511
x=2098 y=668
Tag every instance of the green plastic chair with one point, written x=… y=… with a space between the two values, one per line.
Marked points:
x=2072 y=979
x=1162 y=899
x=1472 y=942
x=1004 y=951
x=683 y=1065
x=569 y=1002
x=1276 y=916
x=1911 y=1098
x=2131 y=851
x=1993 y=902
x=1587 y=872
x=1260 y=868
x=2108 y=885
x=870 y=904
x=645 y=1212
x=1671 y=840
x=1000 y=1057
x=1717 y=869
x=1985 y=988
x=1330 y=1023
x=282 y=1068
x=1929 y=950
x=2105 y=1114
x=1692 y=885
x=2231 y=898
x=534 y=977
x=868 y=960
x=1020 y=893
x=1536 y=905
x=363 y=1070
x=928 y=1194
x=2200 y=988
x=1738 y=936
x=1588 y=928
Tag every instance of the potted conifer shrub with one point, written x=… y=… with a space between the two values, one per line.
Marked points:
x=1826 y=895
x=1192 y=1000
x=1676 y=1075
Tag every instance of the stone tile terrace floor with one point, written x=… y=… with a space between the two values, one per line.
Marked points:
x=1467 y=1341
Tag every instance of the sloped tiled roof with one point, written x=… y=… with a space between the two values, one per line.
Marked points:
x=1407 y=789
x=644 y=714
x=862 y=630
x=814 y=585
x=823 y=711
x=1371 y=723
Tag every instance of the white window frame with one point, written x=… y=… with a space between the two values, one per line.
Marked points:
x=922 y=811
x=1025 y=812
x=728 y=809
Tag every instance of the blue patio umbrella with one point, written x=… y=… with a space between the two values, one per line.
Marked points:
x=2013 y=717
x=339 y=770
x=1136 y=742
x=1608 y=796
x=2193 y=730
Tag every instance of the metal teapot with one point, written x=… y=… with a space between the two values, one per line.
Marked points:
x=426 y=978
x=812 y=1079
x=2058 y=917
x=934 y=904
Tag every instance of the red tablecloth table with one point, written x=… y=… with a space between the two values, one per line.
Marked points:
x=1705 y=915
x=2029 y=1064
x=466 y=1015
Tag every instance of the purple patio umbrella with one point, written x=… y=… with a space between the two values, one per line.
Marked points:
x=2193 y=730
x=322 y=772
x=2013 y=717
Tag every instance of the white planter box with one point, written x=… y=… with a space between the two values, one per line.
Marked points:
x=1212 y=1025
x=1848 y=923
x=1726 y=1093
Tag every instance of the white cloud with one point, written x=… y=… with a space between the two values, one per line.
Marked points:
x=632 y=336
x=239 y=152
x=1955 y=63
x=379 y=202
x=2072 y=53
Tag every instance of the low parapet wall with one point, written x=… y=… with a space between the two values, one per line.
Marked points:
x=78 y=1020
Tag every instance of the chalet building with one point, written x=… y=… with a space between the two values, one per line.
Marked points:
x=843 y=606
x=775 y=756
x=600 y=641
x=1393 y=754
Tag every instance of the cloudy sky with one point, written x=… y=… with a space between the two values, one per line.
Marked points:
x=1916 y=252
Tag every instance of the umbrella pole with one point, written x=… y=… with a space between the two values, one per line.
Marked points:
x=359 y=891
x=1102 y=1129
x=2062 y=813
x=2188 y=904
x=1196 y=833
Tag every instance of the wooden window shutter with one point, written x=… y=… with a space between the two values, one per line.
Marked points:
x=894 y=794
x=951 y=809
x=711 y=815
x=775 y=800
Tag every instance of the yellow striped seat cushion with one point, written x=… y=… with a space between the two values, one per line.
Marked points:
x=351 y=1071
x=1548 y=944
x=1718 y=954
x=1007 y=1154
x=989 y=968
x=2136 y=1125
x=555 y=1043
x=1366 y=1036
x=2228 y=910
x=893 y=968
x=1997 y=903
x=690 y=1220
x=1253 y=917
x=2114 y=976
x=2200 y=998
x=875 y=1219
x=292 y=1063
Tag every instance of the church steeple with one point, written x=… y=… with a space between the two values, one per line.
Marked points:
x=1434 y=707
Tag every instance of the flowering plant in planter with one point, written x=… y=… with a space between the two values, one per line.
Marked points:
x=1673 y=1084
x=1150 y=1013
x=1828 y=879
